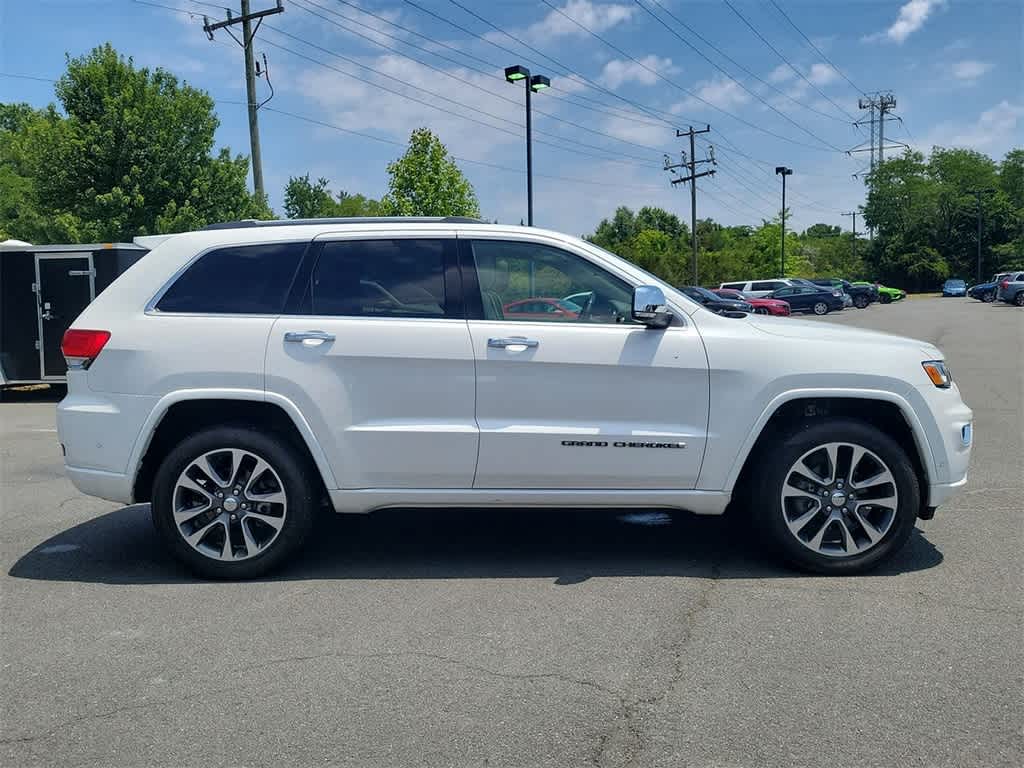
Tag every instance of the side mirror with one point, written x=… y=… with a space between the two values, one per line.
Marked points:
x=650 y=306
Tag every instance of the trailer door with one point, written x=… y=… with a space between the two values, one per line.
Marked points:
x=64 y=288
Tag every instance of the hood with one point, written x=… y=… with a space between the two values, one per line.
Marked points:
x=818 y=331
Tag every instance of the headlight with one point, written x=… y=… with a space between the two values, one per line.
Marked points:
x=938 y=373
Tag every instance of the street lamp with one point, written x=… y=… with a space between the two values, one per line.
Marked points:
x=534 y=84
x=781 y=170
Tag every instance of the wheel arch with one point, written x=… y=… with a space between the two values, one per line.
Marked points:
x=182 y=413
x=794 y=410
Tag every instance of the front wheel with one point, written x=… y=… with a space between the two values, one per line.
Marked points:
x=860 y=302
x=988 y=297
x=1019 y=299
x=821 y=308
x=837 y=498
x=233 y=502
x=885 y=298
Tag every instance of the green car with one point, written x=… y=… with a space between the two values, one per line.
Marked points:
x=886 y=294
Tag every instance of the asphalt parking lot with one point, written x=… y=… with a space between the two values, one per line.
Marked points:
x=525 y=638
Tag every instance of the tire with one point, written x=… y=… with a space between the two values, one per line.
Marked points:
x=885 y=298
x=988 y=297
x=860 y=302
x=821 y=308
x=288 y=476
x=775 y=515
x=760 y=311
x=1019 y=299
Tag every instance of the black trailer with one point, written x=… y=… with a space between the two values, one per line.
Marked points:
x=43 y=288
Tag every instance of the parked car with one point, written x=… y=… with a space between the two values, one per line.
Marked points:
x=886 y=295
x=543 y=309
x=715 y=302
x=836 y=289
x=802 y=298
x=240 y=413
x=954 y=287
x=986 y=292
x=1011 y=289
x=757 y=289
x=861 y=295
x=761 y=306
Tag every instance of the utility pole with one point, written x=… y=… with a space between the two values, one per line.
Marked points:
x=691 y=166
x=886 y=103
x=251 y=72
x=877 y=104
x=977 y=194
x=783 y=171
x=854 y=215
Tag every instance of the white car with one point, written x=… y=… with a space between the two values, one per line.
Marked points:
x=243 y=376
x=758 y=289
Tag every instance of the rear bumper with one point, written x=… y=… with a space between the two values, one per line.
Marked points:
x=111 y=486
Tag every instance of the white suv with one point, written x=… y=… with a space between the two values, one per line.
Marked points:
x=240 y=377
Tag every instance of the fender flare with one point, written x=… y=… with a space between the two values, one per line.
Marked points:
x=159 y=410
x=917 y=429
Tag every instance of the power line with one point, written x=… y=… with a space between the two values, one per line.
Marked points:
x=456 y=77
x=566 y=70
x=764 y=40
x=728 y=58
x=816 y=48
x=676 y=85
x=469 y=108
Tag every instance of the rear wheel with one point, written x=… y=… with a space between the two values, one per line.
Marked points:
x=233 y=502
x=988 y=297
x=821 y=308
x=838 y=497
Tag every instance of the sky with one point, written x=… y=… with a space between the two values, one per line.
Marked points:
x=777 y=82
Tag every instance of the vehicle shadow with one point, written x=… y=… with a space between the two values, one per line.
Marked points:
x=34 y=393
x=568 y=546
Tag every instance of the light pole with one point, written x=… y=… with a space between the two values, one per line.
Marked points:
x=781 y=170
x=534 y=83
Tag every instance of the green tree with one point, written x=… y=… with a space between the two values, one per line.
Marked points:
x=129 y=155
x=425 y=181
x=304 y=199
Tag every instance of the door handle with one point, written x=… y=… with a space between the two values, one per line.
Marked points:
x=300 y=336
x=513 y=341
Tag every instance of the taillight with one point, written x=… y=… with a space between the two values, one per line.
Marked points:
x=1004 y=283
x=80 y=347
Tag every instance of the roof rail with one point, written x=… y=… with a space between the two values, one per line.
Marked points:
x=245 y=223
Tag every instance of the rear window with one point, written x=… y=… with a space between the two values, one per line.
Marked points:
x=241 y=280
x=381 y=278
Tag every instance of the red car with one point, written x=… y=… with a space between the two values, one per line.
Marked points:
x=761 y=306
x=541 y=309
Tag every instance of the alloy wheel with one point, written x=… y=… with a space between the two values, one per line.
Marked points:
x=820 y=308
x=839 y=500
x=229 y=504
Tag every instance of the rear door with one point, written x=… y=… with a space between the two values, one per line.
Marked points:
x=375 y=351
x=591 y=401
x=64 y=290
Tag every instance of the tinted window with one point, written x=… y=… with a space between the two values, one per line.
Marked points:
x=767 y=286
x=735 y=286
x=785 y=292
x=244 y=279
x=509 y=272
x=380 y=278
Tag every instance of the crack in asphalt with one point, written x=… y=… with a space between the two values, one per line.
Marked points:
x=629 y=715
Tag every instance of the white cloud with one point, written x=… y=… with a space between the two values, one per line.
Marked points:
x=822 y=74
x=617 y=71
x=719 y=91
x=597 y=17
x=781 y=74
x=970 y=70
x=638 y=131
x=362 y=106
x=995 y=131
x=912 y=17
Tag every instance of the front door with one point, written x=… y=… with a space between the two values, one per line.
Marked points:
x=64 y=290
x=377 y=356
x=588 y=399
